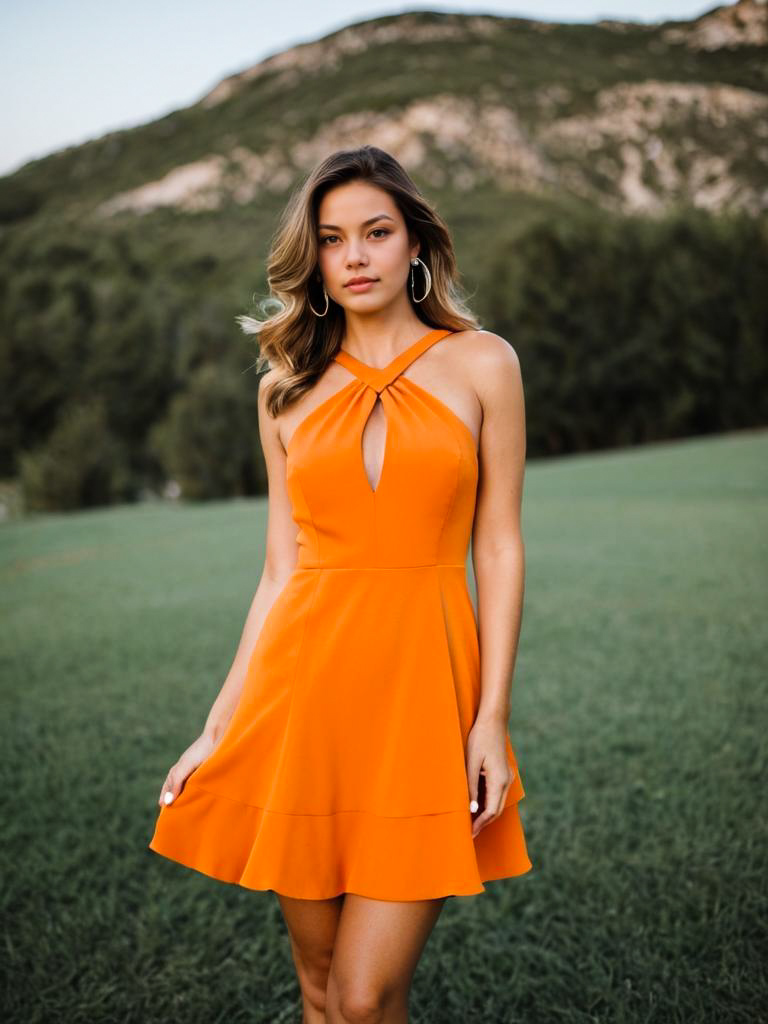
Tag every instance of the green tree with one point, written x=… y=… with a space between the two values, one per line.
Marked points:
x=208 y=442
x=81 y=464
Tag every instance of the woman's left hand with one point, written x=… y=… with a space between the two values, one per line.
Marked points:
x=487 y=756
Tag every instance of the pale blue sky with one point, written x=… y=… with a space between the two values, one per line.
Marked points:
x=73 y=70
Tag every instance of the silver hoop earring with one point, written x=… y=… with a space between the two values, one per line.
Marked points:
x=327 y=303
x=414 y=262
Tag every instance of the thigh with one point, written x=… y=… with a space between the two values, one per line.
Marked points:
x=312 y=927
x=378 y=946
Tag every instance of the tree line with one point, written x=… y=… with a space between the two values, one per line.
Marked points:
x=124 y=372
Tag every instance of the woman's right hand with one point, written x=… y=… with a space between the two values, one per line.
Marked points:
x=192 y=757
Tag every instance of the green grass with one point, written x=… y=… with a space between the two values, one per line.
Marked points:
x=638 y=717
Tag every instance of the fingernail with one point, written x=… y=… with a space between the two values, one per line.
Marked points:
x=168 y=798
x=473 y=806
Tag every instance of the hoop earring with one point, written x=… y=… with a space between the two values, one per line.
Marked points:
x=327 y=303
x=414 y=262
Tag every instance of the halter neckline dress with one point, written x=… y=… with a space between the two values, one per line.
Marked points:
x=343 y=766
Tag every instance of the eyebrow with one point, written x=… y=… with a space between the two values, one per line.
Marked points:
x=379 y=216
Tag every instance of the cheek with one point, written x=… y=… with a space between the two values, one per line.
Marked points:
x=395 y=259
x=330 y=265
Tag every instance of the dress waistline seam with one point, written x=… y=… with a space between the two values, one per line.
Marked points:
x=368 y=568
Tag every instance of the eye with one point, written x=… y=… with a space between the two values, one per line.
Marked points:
x=327 y=238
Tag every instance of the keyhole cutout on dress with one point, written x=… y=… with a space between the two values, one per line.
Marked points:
x=374 y=444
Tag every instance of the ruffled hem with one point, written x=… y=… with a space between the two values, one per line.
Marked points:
x=319 y=856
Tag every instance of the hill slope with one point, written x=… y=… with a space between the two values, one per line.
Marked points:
x=627 y=116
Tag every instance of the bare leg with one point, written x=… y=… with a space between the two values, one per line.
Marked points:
x=312 y=928
x=377 y=948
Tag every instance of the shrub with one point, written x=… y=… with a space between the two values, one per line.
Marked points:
x=209 y=438
x=80 y=464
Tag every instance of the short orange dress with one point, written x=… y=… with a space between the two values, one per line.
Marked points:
x=343 y=766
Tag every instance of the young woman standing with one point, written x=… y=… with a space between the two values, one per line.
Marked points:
x=357 y=761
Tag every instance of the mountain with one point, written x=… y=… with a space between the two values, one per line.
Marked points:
x=605 y=185
x=625 y=116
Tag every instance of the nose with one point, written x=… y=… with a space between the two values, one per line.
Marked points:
x=356 y=255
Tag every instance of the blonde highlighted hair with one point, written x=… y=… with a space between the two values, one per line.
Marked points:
x=294 y=338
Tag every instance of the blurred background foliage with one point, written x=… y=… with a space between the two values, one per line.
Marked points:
x=638 y=306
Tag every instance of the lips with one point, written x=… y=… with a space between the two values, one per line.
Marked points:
x=360 y=280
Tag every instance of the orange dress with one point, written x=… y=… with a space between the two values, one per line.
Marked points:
x=343 y=767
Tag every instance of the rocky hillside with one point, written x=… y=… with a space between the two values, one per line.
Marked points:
x=625 y=116
x=606 y=189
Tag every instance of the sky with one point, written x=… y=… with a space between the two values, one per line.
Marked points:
x=73 y=70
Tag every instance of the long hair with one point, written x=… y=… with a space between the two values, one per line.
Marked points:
x=297 y=340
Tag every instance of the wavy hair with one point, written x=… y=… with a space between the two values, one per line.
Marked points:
x=296 y=340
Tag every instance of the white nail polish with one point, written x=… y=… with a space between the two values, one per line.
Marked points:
x=168 y=798
x=474 y=806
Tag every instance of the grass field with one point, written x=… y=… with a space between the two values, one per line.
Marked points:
x=638 y=717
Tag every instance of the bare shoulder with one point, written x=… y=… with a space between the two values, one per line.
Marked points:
x=268 y=425
x=490 y=361
x=271 y=377
x=266 y=383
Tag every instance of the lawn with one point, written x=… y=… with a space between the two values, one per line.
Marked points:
x=638 y=718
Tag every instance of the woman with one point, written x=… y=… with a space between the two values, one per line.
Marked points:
x=357 y=760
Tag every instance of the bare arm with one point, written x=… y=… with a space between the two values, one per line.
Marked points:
x=498 y=551
x=224 y=706
x=498 y=557
x=279 y=562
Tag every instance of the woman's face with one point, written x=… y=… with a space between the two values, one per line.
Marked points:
x=361 y=233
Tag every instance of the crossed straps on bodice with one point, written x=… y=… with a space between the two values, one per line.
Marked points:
x=379 y=378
